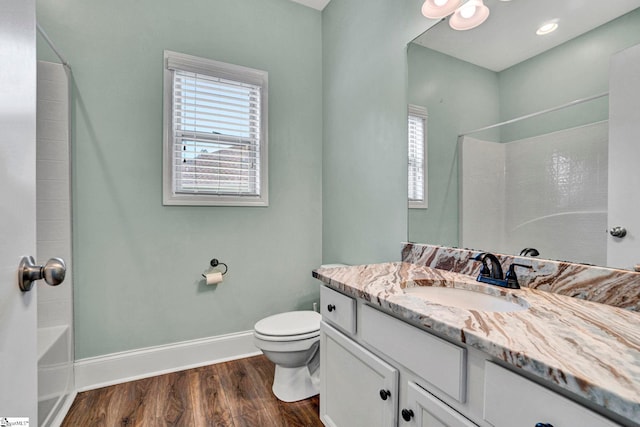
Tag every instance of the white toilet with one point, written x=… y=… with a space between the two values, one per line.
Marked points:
x=291 y=340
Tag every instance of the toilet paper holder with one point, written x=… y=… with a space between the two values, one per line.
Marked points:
x=214 y=263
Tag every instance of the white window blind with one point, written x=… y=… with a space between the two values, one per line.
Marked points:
x=216 y=141
x=417 y=122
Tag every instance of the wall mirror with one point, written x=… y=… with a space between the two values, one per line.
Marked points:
x=535 y=183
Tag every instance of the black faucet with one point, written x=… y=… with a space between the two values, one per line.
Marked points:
x=529 y=252
x=496 y=269
x=511 y=278
x=493 y=275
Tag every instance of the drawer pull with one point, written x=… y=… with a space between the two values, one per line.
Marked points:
x=331 y=307
x=543 y=425
x=385 y=394
x=407 y=414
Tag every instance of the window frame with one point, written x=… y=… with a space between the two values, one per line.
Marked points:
x=227 y=71
x=422 y=113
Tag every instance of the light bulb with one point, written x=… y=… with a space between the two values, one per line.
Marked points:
x=467 y=11
x=437 y=9
x=470 y=15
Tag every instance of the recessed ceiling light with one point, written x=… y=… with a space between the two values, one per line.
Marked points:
x=547 y=28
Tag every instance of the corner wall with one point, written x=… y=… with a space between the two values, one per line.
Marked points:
x=137 y=262
x=365 y=127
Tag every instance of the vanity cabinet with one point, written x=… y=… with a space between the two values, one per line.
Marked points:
x=357 y=388
x=391 y=373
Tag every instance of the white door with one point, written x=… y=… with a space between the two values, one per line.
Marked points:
x=624 y=152
x=18 y=348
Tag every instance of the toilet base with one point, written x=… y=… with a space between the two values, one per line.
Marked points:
x=293 y=384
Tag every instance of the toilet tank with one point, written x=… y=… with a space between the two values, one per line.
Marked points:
x=333 y=265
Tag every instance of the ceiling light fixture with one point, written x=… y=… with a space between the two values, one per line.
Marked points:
x=438 y=9
x=465 y=16
x=547 y=28
x=469 y=15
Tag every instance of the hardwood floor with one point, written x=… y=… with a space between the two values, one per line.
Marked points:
x=233 y=394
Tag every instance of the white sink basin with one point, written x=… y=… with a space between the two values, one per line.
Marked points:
x=463 y=298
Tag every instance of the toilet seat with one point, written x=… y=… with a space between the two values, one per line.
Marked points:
x=286 y=338
x=290 y=326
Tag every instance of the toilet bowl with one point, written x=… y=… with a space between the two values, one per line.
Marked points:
x=291 y=340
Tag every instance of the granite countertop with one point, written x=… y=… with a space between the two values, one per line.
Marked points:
x=587 y=348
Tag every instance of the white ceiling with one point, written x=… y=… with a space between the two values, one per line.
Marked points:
x=315 y=4
x=508 y=36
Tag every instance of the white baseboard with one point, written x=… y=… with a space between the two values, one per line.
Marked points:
x=62 y=412
x=116 y=368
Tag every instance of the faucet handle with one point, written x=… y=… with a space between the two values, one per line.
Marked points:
x=484 y=270
x=529 y=252
x=512 y=279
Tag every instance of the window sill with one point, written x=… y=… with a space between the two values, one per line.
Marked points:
x=205 y=200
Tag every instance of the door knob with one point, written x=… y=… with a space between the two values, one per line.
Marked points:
x=618 y=232
x=52 y=272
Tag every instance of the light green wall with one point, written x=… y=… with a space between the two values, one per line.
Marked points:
x=365 y=128
x=573 y=70
x=459 y=96
x=137 y=263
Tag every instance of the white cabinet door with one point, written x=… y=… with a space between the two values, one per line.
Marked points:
x=356 y=387
x=18 y=350
x=425 y=410
x=624 y=152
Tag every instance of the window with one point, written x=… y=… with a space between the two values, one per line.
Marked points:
x=215 y=133
x=417 y=157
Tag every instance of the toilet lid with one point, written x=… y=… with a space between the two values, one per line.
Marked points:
x=290 y=323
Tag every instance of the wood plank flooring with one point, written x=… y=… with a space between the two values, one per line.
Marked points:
x=230 y=394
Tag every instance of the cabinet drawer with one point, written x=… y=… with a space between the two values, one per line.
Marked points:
x=511 y=400
x=338 y=309
x=439 y=362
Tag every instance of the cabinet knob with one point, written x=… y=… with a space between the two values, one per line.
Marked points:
x=385 y=394
x=618 y=232
x=543 y=425
x=407 y=414
x=331 y=307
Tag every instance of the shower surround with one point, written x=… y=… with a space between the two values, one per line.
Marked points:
x=548 y=192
